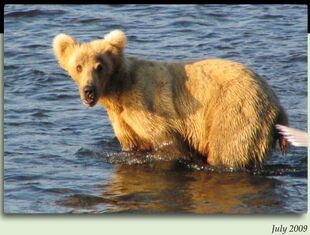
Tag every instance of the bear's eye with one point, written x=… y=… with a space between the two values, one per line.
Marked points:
x=79 y=68
x=99 y=68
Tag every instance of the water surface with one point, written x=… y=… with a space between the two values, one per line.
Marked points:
x=60 y=157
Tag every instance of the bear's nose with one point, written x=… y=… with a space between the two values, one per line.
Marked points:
x=89 y=92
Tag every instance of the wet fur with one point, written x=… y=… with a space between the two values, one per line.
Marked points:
x=217 y=108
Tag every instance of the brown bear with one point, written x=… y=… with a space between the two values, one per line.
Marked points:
x=217 y=108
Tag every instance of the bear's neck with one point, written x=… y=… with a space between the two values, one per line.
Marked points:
x=119 y=82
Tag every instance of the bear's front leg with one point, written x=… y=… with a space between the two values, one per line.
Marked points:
x=127 y=137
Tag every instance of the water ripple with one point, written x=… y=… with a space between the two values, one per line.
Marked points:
x=60 y=157
x=33 y=13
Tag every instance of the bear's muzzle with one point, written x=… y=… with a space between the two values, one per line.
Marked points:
x=90 y=96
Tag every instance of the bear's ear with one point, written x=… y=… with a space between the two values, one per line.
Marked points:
x=63 y=46
x=116 y=38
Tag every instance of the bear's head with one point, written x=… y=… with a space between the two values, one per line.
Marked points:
x=91 y=65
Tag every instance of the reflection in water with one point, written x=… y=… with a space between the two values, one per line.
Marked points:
x=58 y=151
x=167 y=187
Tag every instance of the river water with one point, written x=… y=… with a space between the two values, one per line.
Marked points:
x=60 y=157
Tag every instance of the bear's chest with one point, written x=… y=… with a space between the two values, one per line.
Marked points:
x=145 y=124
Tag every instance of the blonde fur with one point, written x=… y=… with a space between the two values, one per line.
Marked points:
x=63 y=47
x=217 y=108
x=116 y=38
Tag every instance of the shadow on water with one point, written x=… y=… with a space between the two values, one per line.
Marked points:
x=141 y=183
x=59 y=158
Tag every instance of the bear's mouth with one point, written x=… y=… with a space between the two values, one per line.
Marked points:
x=89 y=96
x=89 y=102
